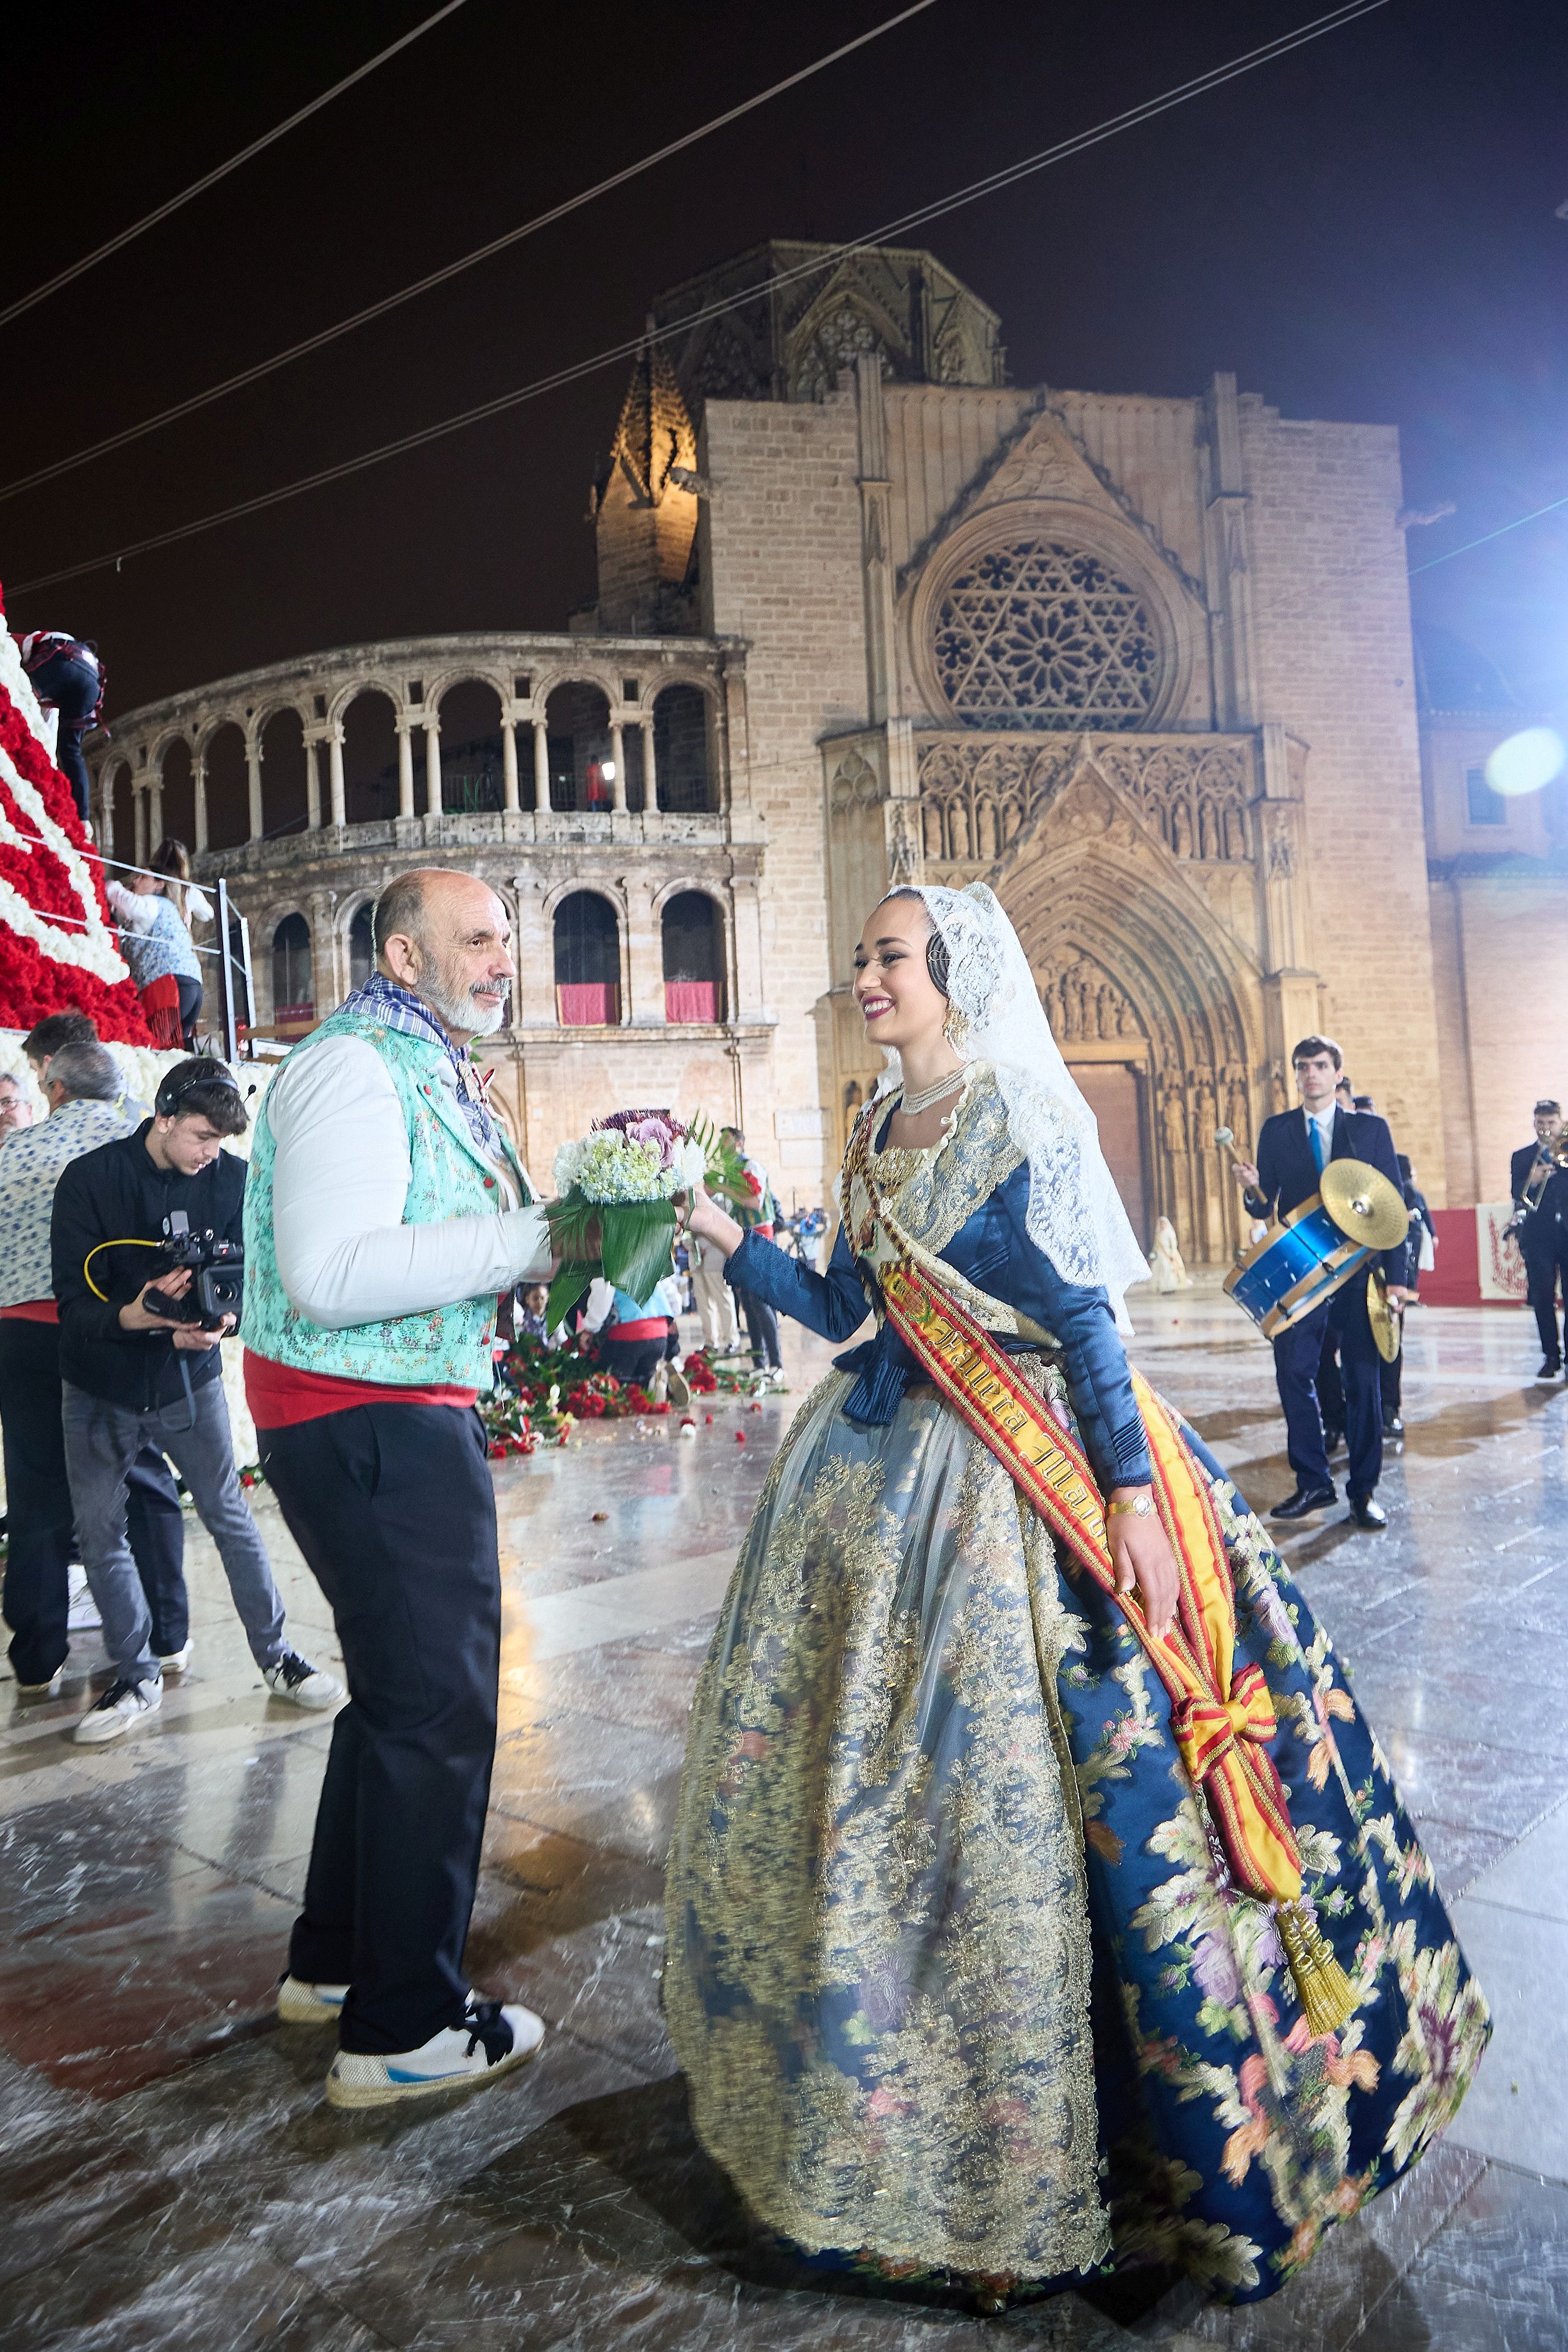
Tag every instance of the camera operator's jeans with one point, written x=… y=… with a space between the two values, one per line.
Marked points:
x=102 y=1441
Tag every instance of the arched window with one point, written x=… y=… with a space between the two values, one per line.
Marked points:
x=471 y=755
x=361 y=946
x=293 y=987
x=694 y=957
x=577 y=731
x=680 y=748
x=587 y=962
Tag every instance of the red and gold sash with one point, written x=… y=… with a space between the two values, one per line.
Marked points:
x=1222 y=1720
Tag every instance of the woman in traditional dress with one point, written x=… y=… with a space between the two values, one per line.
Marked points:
x=1038 y=1900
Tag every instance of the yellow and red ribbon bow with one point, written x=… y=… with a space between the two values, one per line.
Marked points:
x=1206 y=1729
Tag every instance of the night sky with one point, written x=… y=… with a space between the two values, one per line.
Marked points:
x=1365 y=230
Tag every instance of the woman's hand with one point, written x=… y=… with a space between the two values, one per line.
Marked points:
x=1142 y=1557
x=707 y=1222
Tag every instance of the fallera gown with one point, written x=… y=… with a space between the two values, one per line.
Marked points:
x=956 y=1969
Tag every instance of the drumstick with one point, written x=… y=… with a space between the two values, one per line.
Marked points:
x=1223 y=1136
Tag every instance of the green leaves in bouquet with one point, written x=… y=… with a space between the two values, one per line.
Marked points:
x=573 y=1232
x=630 y=1243
x=637 y=1244
x=724 y=1165
x=570 y=1284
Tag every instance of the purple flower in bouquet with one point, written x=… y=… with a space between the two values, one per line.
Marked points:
x=653 y=1127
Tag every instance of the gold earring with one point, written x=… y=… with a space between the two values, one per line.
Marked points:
x=956 y=1029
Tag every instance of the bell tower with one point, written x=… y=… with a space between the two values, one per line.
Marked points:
x=645 y=508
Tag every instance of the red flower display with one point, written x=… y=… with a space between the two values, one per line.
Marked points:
x=35 y=981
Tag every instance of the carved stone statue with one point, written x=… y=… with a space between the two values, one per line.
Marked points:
x=1174 y=1115
x=1165 y=1261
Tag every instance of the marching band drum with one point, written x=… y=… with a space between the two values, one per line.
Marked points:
x=1299 y=1262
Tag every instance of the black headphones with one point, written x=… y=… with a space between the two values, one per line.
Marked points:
x=173 y=1092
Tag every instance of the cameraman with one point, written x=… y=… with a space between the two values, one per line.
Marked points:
x=84 y=1089
x=131 y=1374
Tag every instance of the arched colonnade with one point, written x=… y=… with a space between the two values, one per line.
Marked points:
x=588 y=955
x=626 y=728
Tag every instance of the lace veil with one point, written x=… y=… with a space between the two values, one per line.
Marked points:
x=1075 y=1212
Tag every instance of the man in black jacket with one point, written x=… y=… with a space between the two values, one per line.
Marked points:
x=1293 y=1149
x=130 y=1375
x=1539 y=1226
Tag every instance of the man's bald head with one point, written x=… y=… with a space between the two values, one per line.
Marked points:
x=414 y=905
x=445 y=935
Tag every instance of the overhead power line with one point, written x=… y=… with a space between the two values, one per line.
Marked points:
x=209 y=179
x=1552 y=507
x=575 y=373
x=453 y=268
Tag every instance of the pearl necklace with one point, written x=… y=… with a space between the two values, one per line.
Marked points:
x=913 y=1104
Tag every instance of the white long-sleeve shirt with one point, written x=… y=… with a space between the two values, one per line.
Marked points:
x=340 y=1176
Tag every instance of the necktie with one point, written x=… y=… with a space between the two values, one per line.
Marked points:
x=1319 y=1151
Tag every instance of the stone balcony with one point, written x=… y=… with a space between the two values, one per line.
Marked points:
x=551 y=829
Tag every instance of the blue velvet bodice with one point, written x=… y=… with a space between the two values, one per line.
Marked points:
x=992 y=1249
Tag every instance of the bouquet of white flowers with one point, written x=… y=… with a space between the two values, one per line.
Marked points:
x=615 y=1215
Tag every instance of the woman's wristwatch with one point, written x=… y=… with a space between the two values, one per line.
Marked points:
x=1141 y=1507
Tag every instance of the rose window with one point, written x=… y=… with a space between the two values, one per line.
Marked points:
x=1039 y=634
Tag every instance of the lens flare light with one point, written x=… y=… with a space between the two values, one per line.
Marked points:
x=1526 y=763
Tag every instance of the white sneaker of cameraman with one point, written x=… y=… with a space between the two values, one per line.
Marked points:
x=124 y=1707
x=298 y=1683
x=489 y=2042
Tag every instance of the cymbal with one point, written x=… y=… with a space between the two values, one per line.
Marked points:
x=1386 y=1327
x=1363 y=1204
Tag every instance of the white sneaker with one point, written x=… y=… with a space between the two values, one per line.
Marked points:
x=309 y=2005
x=299 y=1684
x=122 y=1706
x=81 y=1609
x=51 y=1689
x=491 y=2040
x=177 y=1660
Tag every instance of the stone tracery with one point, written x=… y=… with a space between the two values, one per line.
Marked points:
x=1039 y=634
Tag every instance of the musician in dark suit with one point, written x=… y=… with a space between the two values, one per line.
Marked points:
x=1293 y=1149
x=1539 y=1226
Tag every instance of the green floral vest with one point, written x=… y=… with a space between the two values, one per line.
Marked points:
x=446 y=1347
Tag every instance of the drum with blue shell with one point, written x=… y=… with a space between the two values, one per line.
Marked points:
x=1298 y=1264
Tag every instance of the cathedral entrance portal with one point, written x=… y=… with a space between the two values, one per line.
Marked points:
x=1115 y=1093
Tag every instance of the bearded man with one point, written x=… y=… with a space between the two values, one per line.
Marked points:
x=385 y=1217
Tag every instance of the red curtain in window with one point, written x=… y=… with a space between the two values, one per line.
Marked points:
x=691 y=999
x=587 y=1004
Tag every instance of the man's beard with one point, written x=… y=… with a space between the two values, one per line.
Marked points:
x=447 y=998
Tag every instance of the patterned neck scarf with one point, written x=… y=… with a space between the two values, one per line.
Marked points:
x=399 y=1008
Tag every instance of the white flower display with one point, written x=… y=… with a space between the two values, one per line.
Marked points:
x=690 y=1166
x=610 y=1166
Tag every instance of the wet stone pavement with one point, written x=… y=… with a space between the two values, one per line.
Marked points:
x=168 y=2174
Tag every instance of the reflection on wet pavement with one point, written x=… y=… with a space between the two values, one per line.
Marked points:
x=168 y=2174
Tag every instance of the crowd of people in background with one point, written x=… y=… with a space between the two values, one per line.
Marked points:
x=109 y=1382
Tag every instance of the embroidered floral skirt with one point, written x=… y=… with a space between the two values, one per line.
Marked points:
x=955 y=1971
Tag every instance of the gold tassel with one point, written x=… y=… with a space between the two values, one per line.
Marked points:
x=1326 y=1994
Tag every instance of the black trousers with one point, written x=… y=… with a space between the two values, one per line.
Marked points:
x=1298 y=1354
x=40 y=1537
x=632 y=1360
x=1542 y=1268
x=761 y=1329
x=392 y=1506
x=1331 y=1388
x=72 y=686
x=190 y=1008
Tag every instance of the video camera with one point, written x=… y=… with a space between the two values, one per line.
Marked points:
x=217 y=1271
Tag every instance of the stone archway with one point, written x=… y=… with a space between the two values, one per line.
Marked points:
x=1157 y=1008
